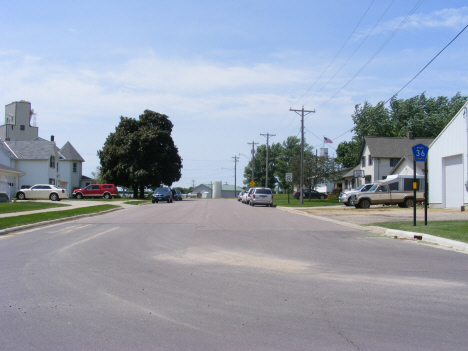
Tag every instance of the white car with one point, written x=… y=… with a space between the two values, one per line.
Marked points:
x=42 y=192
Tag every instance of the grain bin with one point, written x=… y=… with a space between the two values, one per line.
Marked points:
x=216 y=187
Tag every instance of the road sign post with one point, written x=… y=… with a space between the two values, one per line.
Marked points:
x=420 y=152
x=289 y=179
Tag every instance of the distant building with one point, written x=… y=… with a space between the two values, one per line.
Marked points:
x=227 y=190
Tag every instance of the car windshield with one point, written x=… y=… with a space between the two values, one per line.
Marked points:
x=360 y=187
x=162 y=190
x=373 y=187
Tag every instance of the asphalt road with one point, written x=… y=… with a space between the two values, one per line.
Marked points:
x=220 y=275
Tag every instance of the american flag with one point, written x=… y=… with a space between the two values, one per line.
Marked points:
x=327 y=141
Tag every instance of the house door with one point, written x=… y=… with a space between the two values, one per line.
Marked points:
x=453 y=182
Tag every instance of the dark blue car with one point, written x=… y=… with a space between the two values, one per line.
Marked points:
x=161 y=194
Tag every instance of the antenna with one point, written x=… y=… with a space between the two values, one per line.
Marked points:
x=33 y=114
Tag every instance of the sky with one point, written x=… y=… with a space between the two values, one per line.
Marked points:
x=224 y=72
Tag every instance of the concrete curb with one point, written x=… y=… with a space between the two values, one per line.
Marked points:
x=45 y=223
x=425 y=238
x=429 y=238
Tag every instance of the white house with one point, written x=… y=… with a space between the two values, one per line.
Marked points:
x=26 y=159
x=447 y=160
x=381 y=156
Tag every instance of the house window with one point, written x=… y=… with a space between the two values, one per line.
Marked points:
x=22 y=127
x=57 y=166
x=363 y=161
x=74 y=167
x=394 y=162
x=51 y=181
x=370 y=160
x=52 y=161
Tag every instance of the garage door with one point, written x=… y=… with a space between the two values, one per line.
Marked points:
x=453 y=172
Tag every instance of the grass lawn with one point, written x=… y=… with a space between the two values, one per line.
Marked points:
x=282 y=200
x=20 y=206
x=454 y=230
x=15 y=221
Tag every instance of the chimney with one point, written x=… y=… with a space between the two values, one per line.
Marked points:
x=51 y=138
x=410 y=134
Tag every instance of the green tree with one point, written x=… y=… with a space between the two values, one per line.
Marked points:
x=425 y=117
x=291 y=148
x=97 y=175
x=141 y=153
x=260 y=166
x=347 y=153
x=317 y=170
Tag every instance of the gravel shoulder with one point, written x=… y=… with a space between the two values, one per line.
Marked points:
x=378 y=214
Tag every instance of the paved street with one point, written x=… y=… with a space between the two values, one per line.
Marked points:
x=219 y=275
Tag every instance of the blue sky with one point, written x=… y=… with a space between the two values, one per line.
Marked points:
x=223 y=71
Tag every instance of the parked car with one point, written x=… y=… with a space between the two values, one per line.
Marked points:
x=346 y=195
x=96 y=190
x=42 y=192
x=4 y=197
x=176 y=195
x=161 y=194
x=313 y=195
x=246 y=196
x=261 y=196
x=239 y=197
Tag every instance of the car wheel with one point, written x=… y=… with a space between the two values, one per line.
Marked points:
x=364 y=203
x=20 y=196
x=107 y=196
x=157 y=201
x=153 y=201
x=79 y=196
x=409 y=202
x=53 y=197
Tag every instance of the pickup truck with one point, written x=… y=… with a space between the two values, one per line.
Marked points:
x=96 y=190
x=346 y=195
x=382 y=194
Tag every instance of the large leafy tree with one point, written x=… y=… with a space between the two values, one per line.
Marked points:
x=291 y=148
x=274 y=151
x=425 y=117
x=141 y=153
x=317 y=170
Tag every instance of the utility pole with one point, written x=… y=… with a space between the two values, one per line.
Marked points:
x=267 y=136
x=236 y=159
x=253 y=143
x=302 y=114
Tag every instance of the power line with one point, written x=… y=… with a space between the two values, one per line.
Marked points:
x=446 y=46
x=377 y=52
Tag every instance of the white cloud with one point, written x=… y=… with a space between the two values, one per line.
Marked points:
x=446 y=18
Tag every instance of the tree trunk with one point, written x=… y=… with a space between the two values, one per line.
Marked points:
x=135 y=191
x=142 y=191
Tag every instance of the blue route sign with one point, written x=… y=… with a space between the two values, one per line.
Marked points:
x=420 y=152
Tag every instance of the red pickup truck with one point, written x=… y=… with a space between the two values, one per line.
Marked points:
x=96 y=190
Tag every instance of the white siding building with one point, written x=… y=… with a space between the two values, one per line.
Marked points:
x=447 y=159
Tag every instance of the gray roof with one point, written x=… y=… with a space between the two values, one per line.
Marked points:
x=410 y=158
x=9 y=169
x=70 y=153
x=32 y=150
x=390 y=147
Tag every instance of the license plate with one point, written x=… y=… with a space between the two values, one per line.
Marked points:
x=263 y=196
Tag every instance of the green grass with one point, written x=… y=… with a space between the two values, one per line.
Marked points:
x=15 y=221
x=282 y=200
x=454 y=230
x=11 y=207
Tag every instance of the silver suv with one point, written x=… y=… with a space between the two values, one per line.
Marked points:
x=261 y=196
